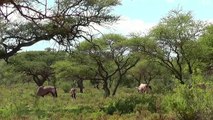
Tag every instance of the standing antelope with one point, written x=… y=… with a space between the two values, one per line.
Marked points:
x=143 y=88
x=42 y=91
x=73 y=92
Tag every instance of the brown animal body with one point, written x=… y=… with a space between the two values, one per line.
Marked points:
x=42 y=91
x=73 y=92
x=143 y=88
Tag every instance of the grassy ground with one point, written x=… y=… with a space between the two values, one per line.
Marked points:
x=18 y=102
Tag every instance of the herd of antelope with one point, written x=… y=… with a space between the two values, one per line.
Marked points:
x=45 y=90
x=143 y=88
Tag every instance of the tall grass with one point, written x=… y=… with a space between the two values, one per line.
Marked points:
x=19 y=102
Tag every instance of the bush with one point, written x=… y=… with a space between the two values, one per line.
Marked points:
x=131 y=103
x=66 y=87
x=110 y=109
x=190 y=104
x=127 y=105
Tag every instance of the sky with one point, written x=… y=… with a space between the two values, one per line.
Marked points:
x=139 y=16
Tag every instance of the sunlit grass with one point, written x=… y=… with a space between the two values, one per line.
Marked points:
x=20 y=102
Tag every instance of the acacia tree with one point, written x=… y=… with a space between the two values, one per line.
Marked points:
x=36 y=65
x=75 y=69
x=146 y=70
x=206 y=44
x=111 y=59
x=173 y=43
x=122 y=56
x=26 y=22
x=8 y=75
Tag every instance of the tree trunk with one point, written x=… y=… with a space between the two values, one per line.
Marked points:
x=180 y=78
x=80 y=85
x=106 y=89
x=38 y=81
x=190 y=68
x=181 y=81
x=116 y=86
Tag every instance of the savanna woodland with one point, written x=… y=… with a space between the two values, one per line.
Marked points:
x=175 y=58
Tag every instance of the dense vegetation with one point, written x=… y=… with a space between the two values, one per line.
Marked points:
x=18 y=101
x=175 y=58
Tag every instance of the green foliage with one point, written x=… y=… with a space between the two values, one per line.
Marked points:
x=165 y=84
x=146 y=70
x=206 y=45
x=190 y=104
x=66 y=87
x=110 y=109
x=8 y=76
x=172 y=43
x=131 y=104
x=36 y=65
x=176 y=44
x=128 y=82
x=19 y=102
x=71 y=70
x=23 y=34
x=127 y=105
